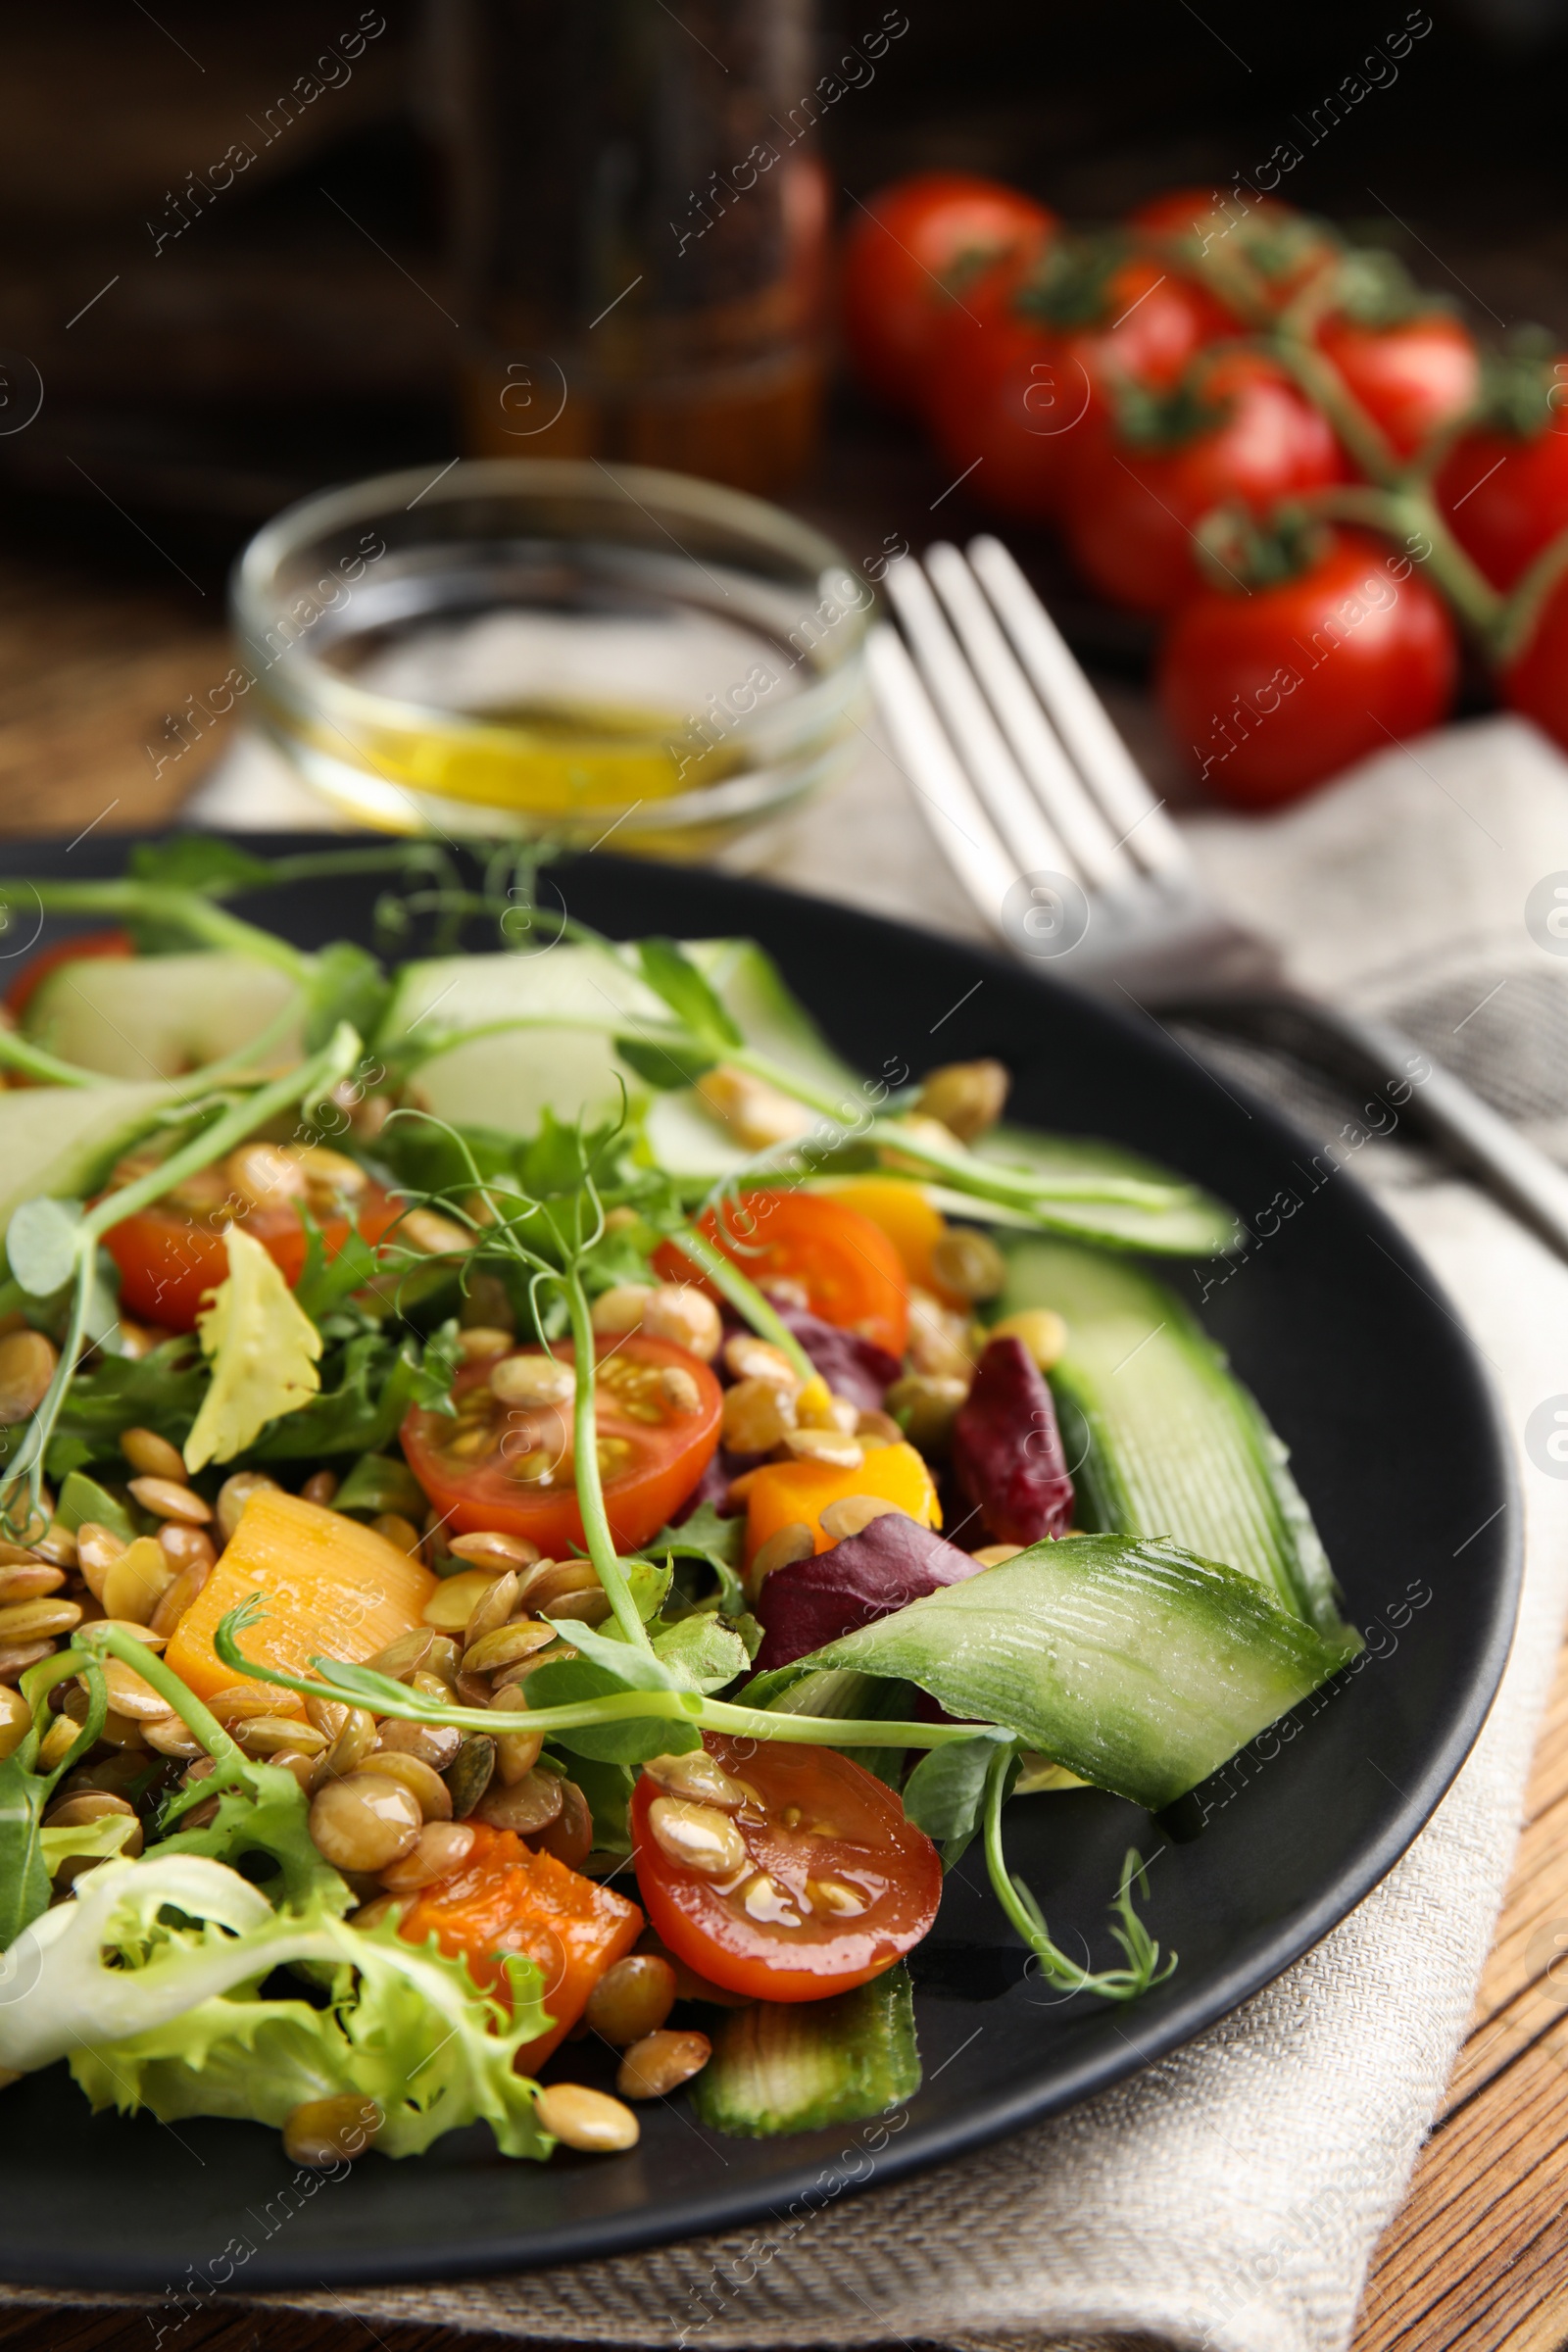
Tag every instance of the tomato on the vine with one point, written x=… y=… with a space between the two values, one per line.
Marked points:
x=501 y=1463
x=1020 y=376
x=1236 y=429
x=25 y=987
x=910 y=257
x=1505 y=485
x=1413 y=376
x=1278 y=689
x=1270 y=246
x=171 y=1254
x=1536 y=682
x=850 y=1271
x=821 y=1882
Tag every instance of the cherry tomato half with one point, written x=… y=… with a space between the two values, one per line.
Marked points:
x=836 y=1886
x=170 y=1258
x=25 y=987
x=902 y=251
x=1277 y=690
x=850 y=1271
x=1131 y=507
x=512 y=1467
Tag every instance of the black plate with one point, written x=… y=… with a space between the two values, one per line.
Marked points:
x=1338 y=1328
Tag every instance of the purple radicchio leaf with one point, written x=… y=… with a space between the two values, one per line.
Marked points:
x=853 y=1367
x=887 y=1565
x=1006 y=1448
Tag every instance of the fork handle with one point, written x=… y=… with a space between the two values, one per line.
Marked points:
x=1373 y=1054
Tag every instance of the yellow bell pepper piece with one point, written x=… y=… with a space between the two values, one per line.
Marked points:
x=329 y=1587
x=780 y=1493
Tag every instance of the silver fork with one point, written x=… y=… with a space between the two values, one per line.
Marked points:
x=1036 y=802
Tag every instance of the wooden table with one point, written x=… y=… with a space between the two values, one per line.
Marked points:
x=87 y=678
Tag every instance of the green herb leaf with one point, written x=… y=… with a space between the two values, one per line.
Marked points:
x=702 y=1652
x=348 y=985
x=194 y=862
x=671 y=974
x=43 y=1243
x=83 y=1499
x=945 y=1794
x=379 y=1483
x=669 y=1067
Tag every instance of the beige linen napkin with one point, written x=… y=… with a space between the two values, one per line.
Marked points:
x=1230 y=2196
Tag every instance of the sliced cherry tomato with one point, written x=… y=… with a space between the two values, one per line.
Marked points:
x=1412 y=377
x=170 y=1256
x=25 y=987
x=1020 y=373
x=1277 y=690
x=512 y=1466
x=909 y=256
x=1238 y=431
x=836 y=1886
x=1505 y=487
x=850 y=1271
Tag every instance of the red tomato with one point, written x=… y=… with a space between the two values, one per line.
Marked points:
x=1280 y=247
x=1505 y=492
x=169 y=1260
x=1019 y=399
x=1412 y=377
x=854 y=1884
x=849 y=1269
x=1537 y=683
x=25 y=987
x=900 y=251
x=1277 y=690
x=512 y=1467
x=1133 y=507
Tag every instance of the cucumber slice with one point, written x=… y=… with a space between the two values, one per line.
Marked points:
x=62 y=1139
x=1165 y=1440
x=798 y=2066
x=1192 y=1223
x=1135 y=1664
x=506 y=1081
x=157 y=1017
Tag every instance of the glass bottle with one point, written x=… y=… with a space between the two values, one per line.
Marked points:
x=640 y=221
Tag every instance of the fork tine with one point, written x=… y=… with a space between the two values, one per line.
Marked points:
x=971 y=730
x=964 y=834
x=1103 y=760
x=1036 y=747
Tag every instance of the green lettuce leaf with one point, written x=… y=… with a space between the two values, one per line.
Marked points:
x=167 y=2017
x=263 y=1351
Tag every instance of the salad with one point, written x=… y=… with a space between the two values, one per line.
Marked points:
x=542 y=1512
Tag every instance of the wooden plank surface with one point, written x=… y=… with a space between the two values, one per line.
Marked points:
x=1478 y=2259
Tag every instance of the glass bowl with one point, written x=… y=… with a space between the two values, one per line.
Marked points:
x=553 y=648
